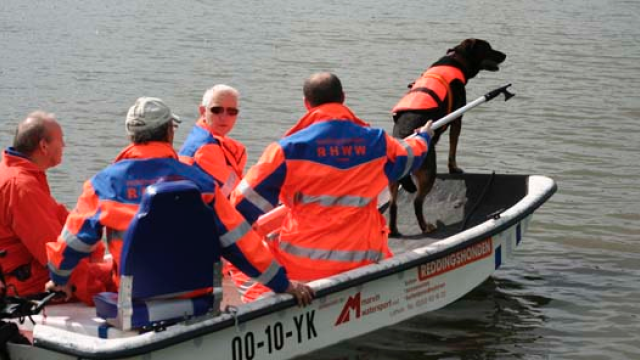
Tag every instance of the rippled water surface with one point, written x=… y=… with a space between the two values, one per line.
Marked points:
x=573 y=290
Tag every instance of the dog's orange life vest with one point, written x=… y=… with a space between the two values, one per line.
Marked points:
x=431 y=90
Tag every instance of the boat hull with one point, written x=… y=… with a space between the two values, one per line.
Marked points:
x=348 y=305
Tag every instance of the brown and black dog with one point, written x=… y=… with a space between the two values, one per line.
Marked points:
x=439 y=91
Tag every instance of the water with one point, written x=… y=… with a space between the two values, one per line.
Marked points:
x=571 y=293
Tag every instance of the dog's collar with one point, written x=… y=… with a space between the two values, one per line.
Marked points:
x=462 y=63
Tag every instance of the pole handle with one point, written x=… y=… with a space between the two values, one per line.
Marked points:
x=501 y=90
x=482 y=99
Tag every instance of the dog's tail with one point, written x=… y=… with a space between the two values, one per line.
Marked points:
x=408 y=185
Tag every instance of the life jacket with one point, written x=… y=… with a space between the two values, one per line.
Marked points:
x=328 y=172
x=219 y=156
x=111 y=198
x=431 y=90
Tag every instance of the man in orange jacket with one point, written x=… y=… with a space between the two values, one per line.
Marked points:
x=111 y=198
x=209 y=147
x=29 y=215
x=328 y=170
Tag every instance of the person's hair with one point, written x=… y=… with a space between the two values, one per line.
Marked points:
x=31 y=131
x=160 y=133
x=322 y=88
x=220 y=88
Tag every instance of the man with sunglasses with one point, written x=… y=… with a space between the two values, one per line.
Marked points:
x=208 y=146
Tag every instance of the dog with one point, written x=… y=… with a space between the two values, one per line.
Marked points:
x=439 y=91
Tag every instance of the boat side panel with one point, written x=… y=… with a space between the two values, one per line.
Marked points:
x=356 y=311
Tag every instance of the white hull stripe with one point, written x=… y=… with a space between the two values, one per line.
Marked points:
x=254 y=198
x=334 y=255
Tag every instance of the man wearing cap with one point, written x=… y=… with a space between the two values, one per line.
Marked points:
x=111 y=198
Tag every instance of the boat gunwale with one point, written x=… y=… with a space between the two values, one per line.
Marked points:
x=405 y=261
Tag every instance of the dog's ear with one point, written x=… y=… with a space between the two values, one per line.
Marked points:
x=465 y=48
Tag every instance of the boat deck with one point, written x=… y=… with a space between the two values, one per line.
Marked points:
x=454 y=204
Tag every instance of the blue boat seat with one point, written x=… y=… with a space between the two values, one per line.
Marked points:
x=170 y=249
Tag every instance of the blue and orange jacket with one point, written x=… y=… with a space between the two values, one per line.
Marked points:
x=328 y=171
x=432 y=90
x=25 y=200
x=111 y=198
x=219 y=156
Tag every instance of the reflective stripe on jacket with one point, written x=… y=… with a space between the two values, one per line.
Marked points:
x=111 y=198
x=29 y=218
x=328 y=171
x=221 y=157
x=430 y=91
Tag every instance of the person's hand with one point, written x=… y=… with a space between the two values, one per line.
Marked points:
x=427 y=128
x=66 y=289
x=301 y=292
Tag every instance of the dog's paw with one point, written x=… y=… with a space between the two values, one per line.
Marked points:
x=395 y=234
x=455 y=170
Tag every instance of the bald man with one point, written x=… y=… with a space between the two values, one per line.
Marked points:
x=328 y=170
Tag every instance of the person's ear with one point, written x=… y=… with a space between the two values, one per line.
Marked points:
x=171 y=132
x=43 y=145
x=307 y=105
x=202 y=110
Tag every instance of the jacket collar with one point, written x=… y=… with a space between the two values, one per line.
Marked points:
x=203 y=125
x=325 y=112
x=150 y=150
x=11 y=157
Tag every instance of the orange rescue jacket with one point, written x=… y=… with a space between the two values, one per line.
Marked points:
x=111 y=198
x=219 y=156
x=328 y=171
x=29 y=218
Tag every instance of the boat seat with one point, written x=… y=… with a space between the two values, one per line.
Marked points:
x=170 y=250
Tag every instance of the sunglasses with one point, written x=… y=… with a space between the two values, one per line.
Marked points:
x=219 y=110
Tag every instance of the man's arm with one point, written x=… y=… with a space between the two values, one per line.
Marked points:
x=406 y=155
x=259 y=191
x=80 y=236
x=244 y=249
x=242 y=246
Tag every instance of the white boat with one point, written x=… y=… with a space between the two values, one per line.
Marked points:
x=481 y=221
